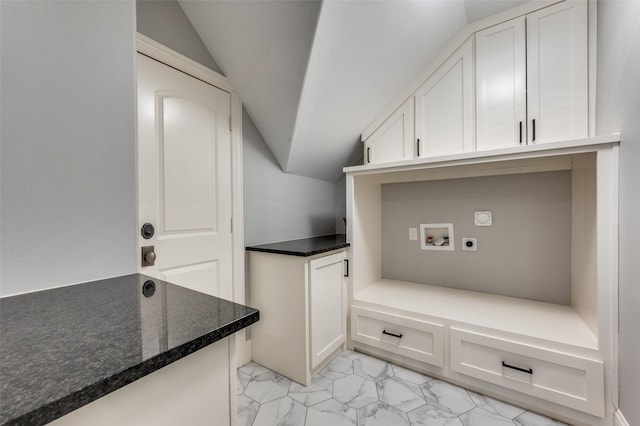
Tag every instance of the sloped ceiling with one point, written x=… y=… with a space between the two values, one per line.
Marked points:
x=312 y=75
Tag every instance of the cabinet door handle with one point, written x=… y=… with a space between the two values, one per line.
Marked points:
x=418 y=144
x=368 y=155
x=533 y=129
x=346 y=267
x=399 y=336
x=521 y=132
x=524 y=370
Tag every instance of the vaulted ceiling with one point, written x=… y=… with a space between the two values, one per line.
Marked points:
x=313 y=74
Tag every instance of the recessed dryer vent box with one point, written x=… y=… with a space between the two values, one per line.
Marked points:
x=436 y=236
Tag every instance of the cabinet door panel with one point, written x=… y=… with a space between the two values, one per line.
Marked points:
x=501 y=85
x=393 y=140
x=555 y=376
x=557 y=72
x=327 y=299
x=444 y=107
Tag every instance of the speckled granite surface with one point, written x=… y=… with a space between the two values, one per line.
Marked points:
x=63 y=348
x=304 y=247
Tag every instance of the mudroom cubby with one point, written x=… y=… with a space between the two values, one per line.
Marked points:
x=536 y=301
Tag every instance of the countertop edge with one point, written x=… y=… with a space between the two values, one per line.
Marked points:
x=299 y=253
x=82 y=397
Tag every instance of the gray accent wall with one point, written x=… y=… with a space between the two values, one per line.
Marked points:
x=618 y=110
x=68 y=143
x=526 y=253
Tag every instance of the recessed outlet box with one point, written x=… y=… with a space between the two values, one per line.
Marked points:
x=483 y=218
x=436 y=236
x=469 y=244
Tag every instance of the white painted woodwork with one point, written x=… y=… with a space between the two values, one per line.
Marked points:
x=199 y=389
x=619 y=419
x=393 y=140
x=411 y=170
x=557 y=72
x=566 y=379
x=507 y=314
x=501 y=85
x=445 y=108
x=327 y=302
x=161 y=53
x=302 y=324
x=529 y=68
x=184 y=178
x=420 y=340
x=151 y=48
x=584 y=329
x=456 y=42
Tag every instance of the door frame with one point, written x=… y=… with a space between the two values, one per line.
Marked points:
x=170 y=57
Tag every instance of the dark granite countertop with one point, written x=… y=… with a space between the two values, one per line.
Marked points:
x=305 y=247
x=64 y=348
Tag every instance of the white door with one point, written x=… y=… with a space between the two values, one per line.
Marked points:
x=445 y=107
x=327 y=304
x=184 y=178
x=557 y=76
x=501 y=85
x=393 y=140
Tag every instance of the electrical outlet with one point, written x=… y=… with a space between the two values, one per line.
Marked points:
x=469 y=244
x=413 y=234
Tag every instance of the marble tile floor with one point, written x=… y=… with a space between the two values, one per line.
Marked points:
x=359 y=390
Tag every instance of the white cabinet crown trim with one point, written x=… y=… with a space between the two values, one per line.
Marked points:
x=585 y=145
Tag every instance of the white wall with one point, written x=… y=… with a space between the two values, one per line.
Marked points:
x=341 y=204
x=68 y=143
x=280 y=206
x=165 y=22
x=618 y=109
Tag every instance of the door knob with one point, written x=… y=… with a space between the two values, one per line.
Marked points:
x=148 y=256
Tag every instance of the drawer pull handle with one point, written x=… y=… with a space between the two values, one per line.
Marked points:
x=399 y=336
x=524 y=370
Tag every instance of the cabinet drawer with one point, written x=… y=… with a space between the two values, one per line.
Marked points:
x=562 y=378
x=419 y=340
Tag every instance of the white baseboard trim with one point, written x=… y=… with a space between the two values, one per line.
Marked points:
x=619 y=420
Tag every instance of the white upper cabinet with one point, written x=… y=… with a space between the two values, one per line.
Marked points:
x=444 y=107
x=532 y=78
x=522 y=81
x=501 y=92
x=393 y=140
x=557 y=73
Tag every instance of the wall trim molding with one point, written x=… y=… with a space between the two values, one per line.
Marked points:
x=151 y=48
x=619 y=420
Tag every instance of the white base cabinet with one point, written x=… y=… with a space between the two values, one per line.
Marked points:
x=302 y=302
x=570 y=380
x=198 y=390
x=554 y=358
x=419 y=340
